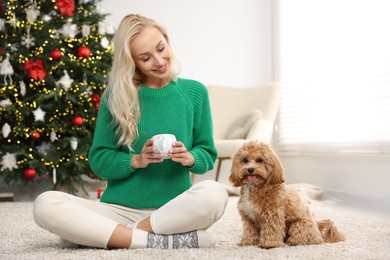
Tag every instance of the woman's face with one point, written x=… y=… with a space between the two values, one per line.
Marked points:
x=151 y=54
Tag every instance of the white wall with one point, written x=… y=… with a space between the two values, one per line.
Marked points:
x=218 y=42
x=230 y=42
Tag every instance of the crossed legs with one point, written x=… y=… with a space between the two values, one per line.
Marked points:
x=96 y=224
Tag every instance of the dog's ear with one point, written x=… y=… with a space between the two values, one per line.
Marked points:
x=234 y=172
x=277 y=176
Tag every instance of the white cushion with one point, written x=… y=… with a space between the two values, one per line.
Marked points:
x=242 y=126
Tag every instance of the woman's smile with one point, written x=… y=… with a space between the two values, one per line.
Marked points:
x=162 y=69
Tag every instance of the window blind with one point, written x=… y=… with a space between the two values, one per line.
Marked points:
x=333 y=64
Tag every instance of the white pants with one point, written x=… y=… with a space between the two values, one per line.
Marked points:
x=91 y=223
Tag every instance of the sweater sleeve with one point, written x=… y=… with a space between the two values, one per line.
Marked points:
x=203 y=149
x=106 y=159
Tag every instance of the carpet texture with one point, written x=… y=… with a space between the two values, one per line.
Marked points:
x=367 y=237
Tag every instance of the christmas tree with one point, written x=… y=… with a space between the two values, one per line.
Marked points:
x=54 y=60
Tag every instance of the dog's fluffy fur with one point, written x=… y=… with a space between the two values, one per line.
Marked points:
x=272 y=213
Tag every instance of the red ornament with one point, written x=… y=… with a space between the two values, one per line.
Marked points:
x=95 y=98
x=29 y=173
x=83 y=52
x=96 y=106
x=77 y=121
x=36 y=135
x=55 y=54
x=35 y=69
x=96 y=101
x=65 y=6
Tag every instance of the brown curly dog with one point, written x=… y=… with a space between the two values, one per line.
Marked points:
x=273 y=214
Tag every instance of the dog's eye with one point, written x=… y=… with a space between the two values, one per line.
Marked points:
x=259 y=160
x=245 y=160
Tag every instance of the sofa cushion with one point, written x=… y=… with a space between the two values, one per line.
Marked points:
x=241 y=127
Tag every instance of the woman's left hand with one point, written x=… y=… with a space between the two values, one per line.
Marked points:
x=179 y=154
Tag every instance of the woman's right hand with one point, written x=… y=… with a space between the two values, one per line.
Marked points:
x=146 y=156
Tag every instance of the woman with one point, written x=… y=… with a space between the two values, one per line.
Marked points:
x=149 y=201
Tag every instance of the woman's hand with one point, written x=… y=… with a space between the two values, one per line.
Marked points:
x=146 y=156
x=179 y=154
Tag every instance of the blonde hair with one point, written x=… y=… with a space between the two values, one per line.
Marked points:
x=125 y=79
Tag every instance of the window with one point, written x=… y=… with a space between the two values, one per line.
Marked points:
x=333 y=63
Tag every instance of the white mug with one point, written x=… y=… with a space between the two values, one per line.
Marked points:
x=163 y=143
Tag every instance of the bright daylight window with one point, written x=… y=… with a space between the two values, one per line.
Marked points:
x=333 y=63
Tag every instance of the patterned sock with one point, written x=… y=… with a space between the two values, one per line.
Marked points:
x=192 y=239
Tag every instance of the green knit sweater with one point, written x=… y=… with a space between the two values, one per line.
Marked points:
x=181 y=108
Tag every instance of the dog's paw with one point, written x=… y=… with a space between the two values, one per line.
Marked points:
x=247 y=243
x=310 y=240
x=271 y=244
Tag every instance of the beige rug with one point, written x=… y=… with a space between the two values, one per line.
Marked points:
x=367 y=234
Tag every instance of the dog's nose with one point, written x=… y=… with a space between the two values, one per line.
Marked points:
x=251 y=170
